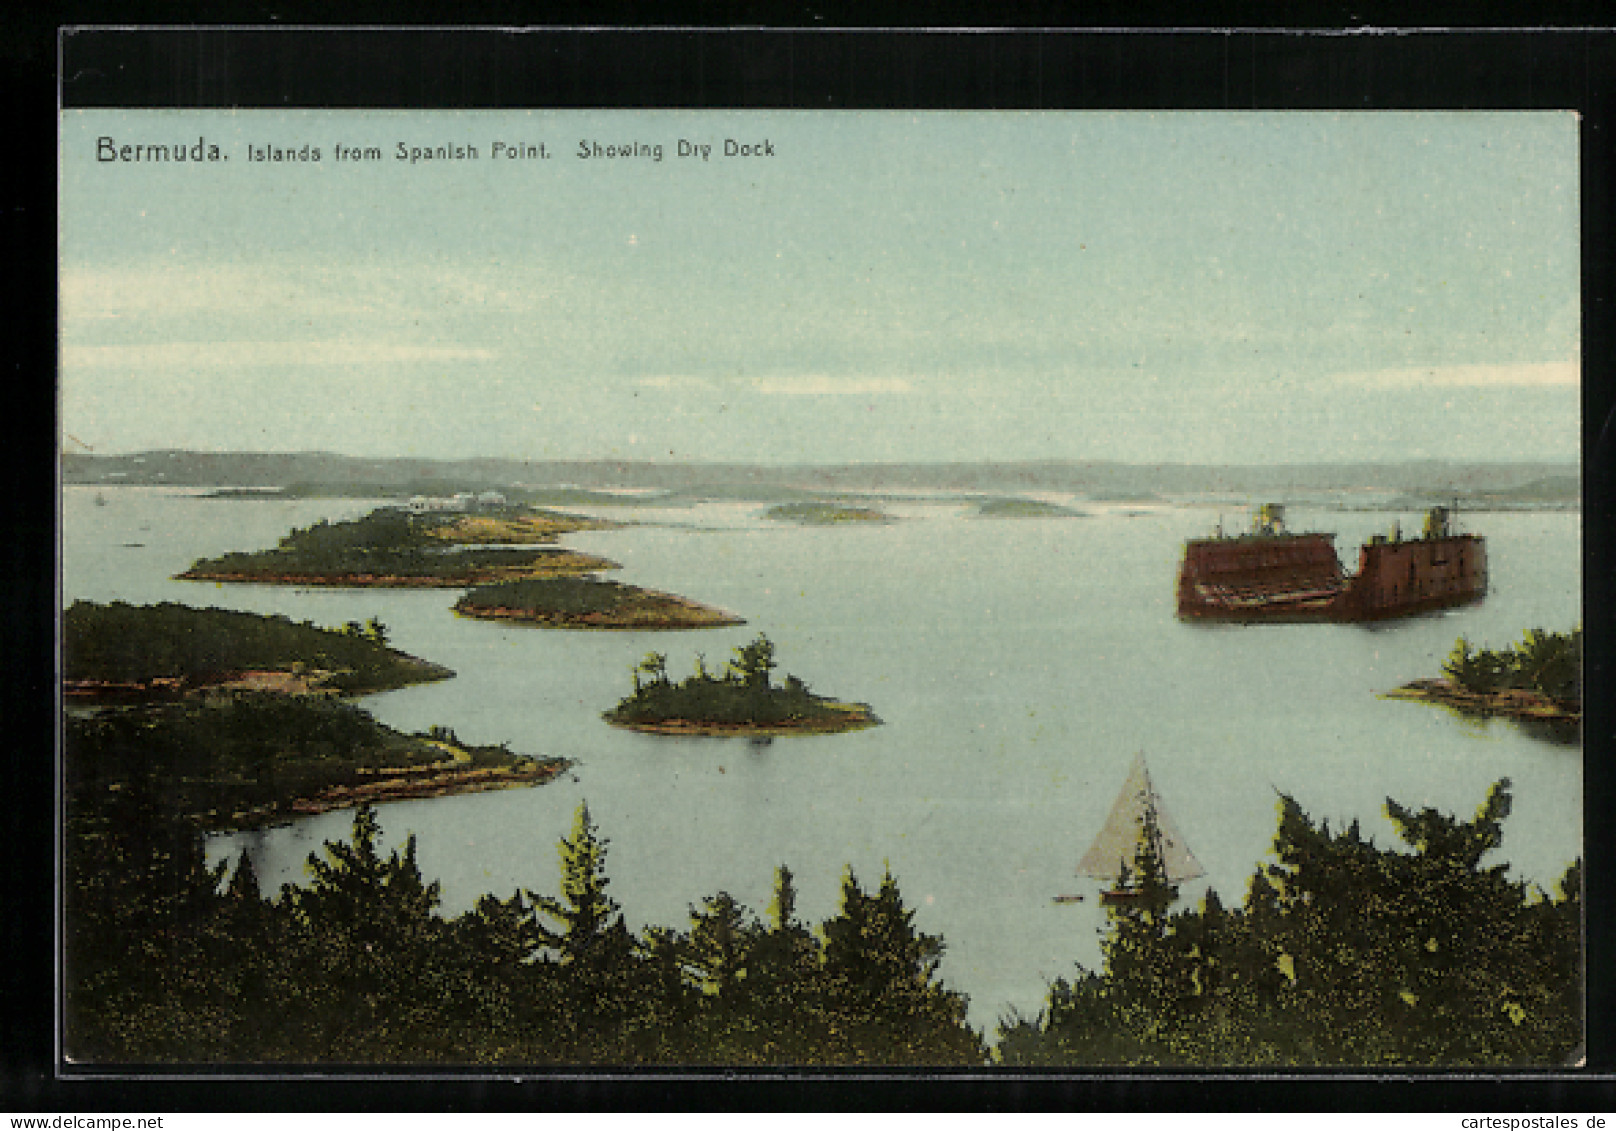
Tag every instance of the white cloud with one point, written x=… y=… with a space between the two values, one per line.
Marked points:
x=674 y=381
x=236 y=355
x=1548 y=375
x=807 y=385
x=815 y=385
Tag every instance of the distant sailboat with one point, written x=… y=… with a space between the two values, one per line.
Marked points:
x=1112 y=855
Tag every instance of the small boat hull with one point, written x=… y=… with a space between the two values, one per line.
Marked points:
x=1127 y=897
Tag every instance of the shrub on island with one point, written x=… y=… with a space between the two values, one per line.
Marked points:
x=740 y=699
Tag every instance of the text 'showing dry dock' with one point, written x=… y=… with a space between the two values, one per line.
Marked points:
x=1272 y=575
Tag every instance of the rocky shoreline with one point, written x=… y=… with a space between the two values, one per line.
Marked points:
x=409 y=785
x=849 y=717
x=1512 y=703
x=315 y=681
x=676 y=613
x=567 y=563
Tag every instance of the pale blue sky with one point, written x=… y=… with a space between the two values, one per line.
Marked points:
x=938 y=286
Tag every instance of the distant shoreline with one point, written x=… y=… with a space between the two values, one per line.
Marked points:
x=1479 y=484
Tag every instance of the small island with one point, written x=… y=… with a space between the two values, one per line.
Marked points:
x=588 y=603
x=820 y=513
x=119 y=652
x=397 y=548
x=741 y=700
x=1024 y=508
x=1537 y=683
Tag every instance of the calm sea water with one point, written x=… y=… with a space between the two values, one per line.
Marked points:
x=1018 y=665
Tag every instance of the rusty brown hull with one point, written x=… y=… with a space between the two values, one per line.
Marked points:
x=1296 y=578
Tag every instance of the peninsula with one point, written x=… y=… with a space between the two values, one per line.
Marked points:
x=394 y=547
x=741 y=700
x=1538 y=681
x=135 y=653
x=252 y=758
x=588 y=602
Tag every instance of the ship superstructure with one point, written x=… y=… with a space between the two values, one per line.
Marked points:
x=1269 y=573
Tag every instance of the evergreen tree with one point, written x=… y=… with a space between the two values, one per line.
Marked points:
x=786 y=991
x=882 y=987
x=588 y=921
x=1344 y=954
x=753 y=662
x=719 y=947
x=605 y=997
x=372 y=945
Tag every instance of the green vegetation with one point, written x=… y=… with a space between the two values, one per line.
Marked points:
x=1024 y=508
x=1547 y=663
x=588 y=602
x=392 y=547
x=819 y=513
x=248 y=758
x=1343 y=954
x=741 y=699
x=1537 y=684
x=359 y=966
x=139 y=648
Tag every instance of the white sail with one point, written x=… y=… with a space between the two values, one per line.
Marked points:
x=1113 y=851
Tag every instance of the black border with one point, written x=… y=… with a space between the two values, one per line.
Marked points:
x=807 y=66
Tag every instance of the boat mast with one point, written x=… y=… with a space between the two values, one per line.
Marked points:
x=1138 y=808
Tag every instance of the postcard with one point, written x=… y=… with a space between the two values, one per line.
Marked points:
x=558 y=589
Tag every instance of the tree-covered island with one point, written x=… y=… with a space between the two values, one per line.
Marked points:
x=123 y=652
x=741 y=699
x=821 y=513
x=1538 y=682
x=588 y=602
x=1024 y=508
x=252 y=758
x=393 y=547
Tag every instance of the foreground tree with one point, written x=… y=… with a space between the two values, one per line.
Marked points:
x=881 y=984
x=1344 y=954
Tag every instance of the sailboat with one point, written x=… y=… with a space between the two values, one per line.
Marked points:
x=1113 y=854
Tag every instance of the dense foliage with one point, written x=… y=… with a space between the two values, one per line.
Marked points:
x=244 y=753
x=122 y=643
x=585 y=600
x=742 y=694
x=564 y=596
x=1343 y=954
x=1548 y=663
x=359 y=965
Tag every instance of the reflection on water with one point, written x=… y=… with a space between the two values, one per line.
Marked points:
x=1017 y=664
